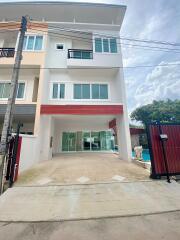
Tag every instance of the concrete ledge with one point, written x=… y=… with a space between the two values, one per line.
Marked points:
x=146 y=165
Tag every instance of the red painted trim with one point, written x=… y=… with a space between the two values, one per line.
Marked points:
x=18 y=159
x=82 y=109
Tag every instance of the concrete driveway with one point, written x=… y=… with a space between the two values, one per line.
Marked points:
x=82 y=168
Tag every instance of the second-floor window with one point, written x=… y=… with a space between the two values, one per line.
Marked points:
x=90 y=91
x=5 y=90
x=33 y=43
x=58 y=91
x=106 y=45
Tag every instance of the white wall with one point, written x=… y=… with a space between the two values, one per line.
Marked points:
x=81 y=76
x=28 y=156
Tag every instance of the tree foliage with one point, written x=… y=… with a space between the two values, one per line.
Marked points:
x=164 y=111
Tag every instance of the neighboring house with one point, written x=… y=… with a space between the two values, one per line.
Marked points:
x=138 y=137
x=71 y=84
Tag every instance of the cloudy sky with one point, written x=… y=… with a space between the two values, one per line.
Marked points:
x=152 y=20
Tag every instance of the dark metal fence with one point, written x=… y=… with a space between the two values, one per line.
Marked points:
x=7 y=52
x=164 y=146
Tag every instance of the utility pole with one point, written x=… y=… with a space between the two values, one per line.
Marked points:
x=10 y=104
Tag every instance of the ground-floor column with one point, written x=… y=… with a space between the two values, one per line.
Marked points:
x=123 y=138
x=46 y=137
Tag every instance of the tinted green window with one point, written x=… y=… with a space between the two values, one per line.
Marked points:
x=113 y=45
x=86 y=55
x=6 y=90
x=77 y=54
x=30 y=43
x=105 y=45
x=95 y=91
x=20 y=91
x=62 y=91
x=38 y=43
x=98 y=45
x=55 y=90
x=85 y=91
x=77 y=91
x=1 y=89
x=103 y=91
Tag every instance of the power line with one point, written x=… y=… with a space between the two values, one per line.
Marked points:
x=115 y=36
x=89 y=68
x=91 y=41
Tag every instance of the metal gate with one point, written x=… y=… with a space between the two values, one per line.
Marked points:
x=164 y=146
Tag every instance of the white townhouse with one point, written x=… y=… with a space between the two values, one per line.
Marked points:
x=71 y=92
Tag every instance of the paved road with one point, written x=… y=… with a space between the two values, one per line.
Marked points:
x=77 y=202
x=150 y=227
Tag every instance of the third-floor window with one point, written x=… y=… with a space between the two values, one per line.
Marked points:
x=33 y=43
x=106 y=45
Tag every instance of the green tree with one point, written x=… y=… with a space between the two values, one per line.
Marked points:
x=164 y=111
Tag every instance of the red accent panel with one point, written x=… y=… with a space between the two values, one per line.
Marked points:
x=172 y=148
x=17 y=159
x=82 y=109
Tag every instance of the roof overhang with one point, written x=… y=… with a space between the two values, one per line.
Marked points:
x=61 y=11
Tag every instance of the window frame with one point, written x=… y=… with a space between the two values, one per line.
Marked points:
x=93 y=99
x=35 y=36
x=58 y=93
x=17 y=99
x=56 y=44
x=109 y=45
x=82 y=91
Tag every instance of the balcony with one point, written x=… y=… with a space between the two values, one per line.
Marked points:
x=80 y=54
x=7 y=52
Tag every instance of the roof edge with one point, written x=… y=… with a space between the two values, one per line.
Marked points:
x=77 y=2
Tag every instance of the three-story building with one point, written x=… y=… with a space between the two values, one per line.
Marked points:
x=71 y=91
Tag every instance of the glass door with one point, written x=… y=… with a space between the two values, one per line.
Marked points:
x=86 y=141
x=79 y=141
x=65 y=138
x=72 y=141
x=95 y=141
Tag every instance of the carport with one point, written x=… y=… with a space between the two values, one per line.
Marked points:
x=80 y=168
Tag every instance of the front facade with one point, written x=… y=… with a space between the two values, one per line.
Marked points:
x=71 y=93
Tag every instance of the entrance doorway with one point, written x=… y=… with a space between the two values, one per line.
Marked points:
x=87 y=141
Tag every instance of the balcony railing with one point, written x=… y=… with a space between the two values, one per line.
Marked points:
x=7 y=52
x=80 y=54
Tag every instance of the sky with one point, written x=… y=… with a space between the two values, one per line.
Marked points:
x=152 y=20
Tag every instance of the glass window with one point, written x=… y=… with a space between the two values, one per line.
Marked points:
x=77 y=91
x=24 y=42
x=55 y=91
x=98 y=45
x=38 y=43
x=30 y=43
x=62 y=91
x=59 y=46
x=77 y=54
x=85 y=91
x=103 y=91
x=1 y=89
x=95 y=91
x=20 y=91
x=105 y=45
x=5 y=90
x=113 y=45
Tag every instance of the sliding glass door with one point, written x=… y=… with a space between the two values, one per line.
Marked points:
x=87 y=141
